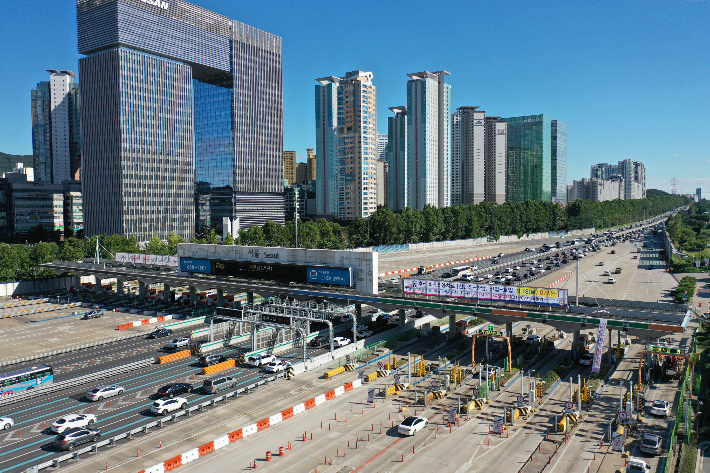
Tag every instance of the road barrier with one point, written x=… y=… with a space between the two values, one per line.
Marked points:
x=334 y=372
x=174 y=356
x=37 y=311
x=73 y=382
x=138 y=323
x=559 y=281
x=219 y=367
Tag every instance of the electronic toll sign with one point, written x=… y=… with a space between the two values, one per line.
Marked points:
x=225 y=312
x=287 y=272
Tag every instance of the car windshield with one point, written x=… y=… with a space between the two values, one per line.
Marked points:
x=660 y=404
x=164 y=388
x=650 y=441
x=61 y=421
x=409 y=421
x=156 y=404
x=94 y=391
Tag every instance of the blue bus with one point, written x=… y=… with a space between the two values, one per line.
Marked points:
x=26 y=378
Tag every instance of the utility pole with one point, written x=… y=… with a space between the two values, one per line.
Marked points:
x=577 y=282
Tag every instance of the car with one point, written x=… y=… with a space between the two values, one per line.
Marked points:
x=488 y=276
x=319 y=341
x=636 y=465
x=533 y=338
x=209 y=360
x=70 y=438
x=363 y=334
x=360 y=327
x=261 y=359
x=549 y=268
x=651 y=443
x=617 y=271
x=6 y=423
x=650 y=266
x=490 y=370
x=601 y=263
x=586 y=359
x=178 y=343
x=102 y=392
x=607 y=273
x=480 y=279
x=165 y=406
x=613 y=252
x=160 y=333
x=340 y=342
x=508 y=270
x=516 y=267
x=172 y=390
x=276 y=366
x=412 y=424
x=72 y=421
x=94 y=314
x=500 y=255
x=529 y=249
x=659 y=408
x=635 y=257
x=612 y=281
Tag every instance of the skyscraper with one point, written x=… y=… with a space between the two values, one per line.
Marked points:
x=496 y=159
x=529 y=174
x=290 y=167
x=382 y=139
x=428 y=140
x=559 y=162
x=312 y=165
x=56 y=143
x=698 y=192
x=301 y=173
x=468 y=144
x=177 y=98
x=397 y=174
x=601 y=171
x=346 y=138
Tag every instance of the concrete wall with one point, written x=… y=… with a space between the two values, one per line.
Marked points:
x=363 y=263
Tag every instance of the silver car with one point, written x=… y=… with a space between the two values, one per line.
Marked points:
x=98 y=394
x=651 y=444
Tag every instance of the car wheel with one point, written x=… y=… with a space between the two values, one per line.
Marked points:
x=91 y=421
x=120 y=391
x=70 y=447
x=165 y=412
x=184 y=406
x=6 y=426
x=171 y=395
x=101 y=398
x=95 y=438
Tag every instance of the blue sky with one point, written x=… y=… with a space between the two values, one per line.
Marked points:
x=630 y=78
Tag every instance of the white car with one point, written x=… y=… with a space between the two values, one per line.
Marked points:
x=533 y=338
x=340 y=342
x=178 y=343
x=71 y=421
x=612 y=281
x=516 y=267
x=488 y=276
x=411 y=425
x=473 y=268
x=607 y=273
x=276 y=366
x=98 y=394
x=480 y=279
x=364 y=334
x=659 y=408
x=165 y=406
x=6 y=422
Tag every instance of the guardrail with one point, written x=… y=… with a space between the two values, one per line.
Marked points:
x=146 y=427
x=73 y=382
x=37 y=311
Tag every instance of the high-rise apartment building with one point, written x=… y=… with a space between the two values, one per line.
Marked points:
x=397 y=173
x=558 y=186
x=529 y=173
x=468 y=147
x=602 y=171
x=382 y=139
x=428 y=140
x=301 y=173
x=290 y=167
x=496 y=159
x=176 y=98
x=312 y=166
x=595 y=189
x=382 y=167
x=346 y=137
x=56 y=143
x=631 y=173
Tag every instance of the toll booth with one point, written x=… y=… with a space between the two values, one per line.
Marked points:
x=461 y=328
x=582 y=344
x=618 y=438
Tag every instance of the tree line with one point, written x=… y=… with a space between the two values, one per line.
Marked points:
x=384 y=227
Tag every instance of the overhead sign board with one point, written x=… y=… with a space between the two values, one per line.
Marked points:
x=487 y=292
x=302 y=273
x=223 y=311
x=276 y=319
x=667 y=350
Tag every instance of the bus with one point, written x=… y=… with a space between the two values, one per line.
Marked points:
x=26 y=378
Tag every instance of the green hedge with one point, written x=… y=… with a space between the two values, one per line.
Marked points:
x=687 y=285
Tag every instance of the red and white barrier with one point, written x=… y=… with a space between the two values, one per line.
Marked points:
x=411 y=270
x=138 y=323
x=251 y=429
x=559 y=281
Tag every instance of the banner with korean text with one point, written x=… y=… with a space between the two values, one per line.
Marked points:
x=599 y=347
x=487 y=292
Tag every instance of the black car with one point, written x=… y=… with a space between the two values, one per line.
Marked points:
x=319 y=341
x=70 y=438
x=172 y=390
x=160 y=333
x=613 y=252
x=209 y=360
x=94 y=314
x=217 y=319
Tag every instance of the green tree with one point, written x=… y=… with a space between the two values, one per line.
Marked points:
x=358 y=233
x=276 y=235
x=72 y=249
x=173 y=241
x=433 y=224
x=411 y=226
x=229 y=240
x=384 y=227
x=213 y=238
x=157 y=247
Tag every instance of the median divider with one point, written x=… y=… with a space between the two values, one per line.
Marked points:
x=138 y=323
x=231 y=437
x=334 y=372
x=174 y=356
x=219 y=367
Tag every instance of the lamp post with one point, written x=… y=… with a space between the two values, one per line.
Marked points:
x=296 y=219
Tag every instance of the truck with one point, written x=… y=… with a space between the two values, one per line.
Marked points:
x=260 y=360
x=672 y=367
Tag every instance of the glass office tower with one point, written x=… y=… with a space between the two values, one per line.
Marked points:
x=179 y=105
x=559 y=162
x=529 y=166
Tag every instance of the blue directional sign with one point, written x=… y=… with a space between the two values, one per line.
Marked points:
x=323 y=275
x=194 y=265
